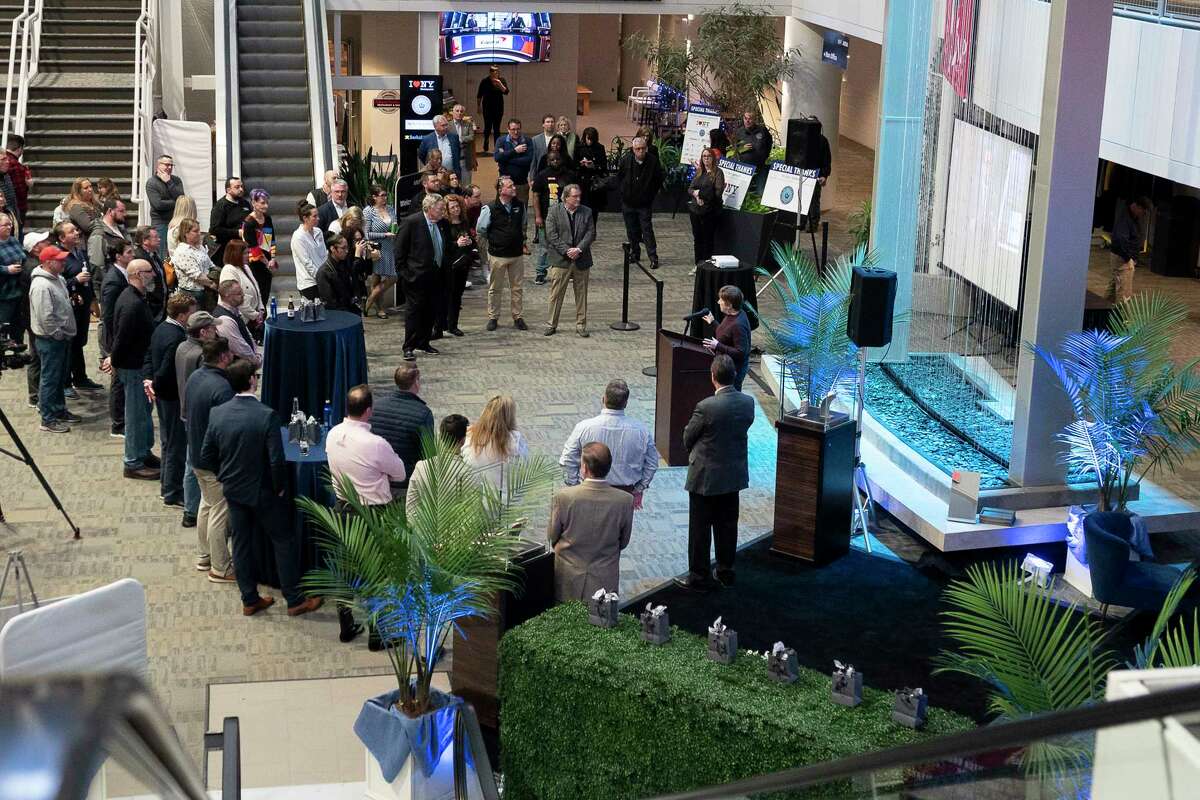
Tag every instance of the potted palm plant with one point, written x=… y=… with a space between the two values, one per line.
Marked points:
x=413 y=575
x=817 y=359
x=1135 y=411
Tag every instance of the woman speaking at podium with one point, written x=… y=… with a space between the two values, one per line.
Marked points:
x=732 y=336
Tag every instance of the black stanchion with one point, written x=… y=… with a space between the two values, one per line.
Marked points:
x=824 y=245
x=652 y=371
x=625 y=324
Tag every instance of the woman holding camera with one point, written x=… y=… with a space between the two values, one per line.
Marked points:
x=380 y=219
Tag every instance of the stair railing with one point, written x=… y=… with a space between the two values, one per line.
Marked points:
x=320 y=89
x=22 y=63
x=145 y=69
x=225 y=67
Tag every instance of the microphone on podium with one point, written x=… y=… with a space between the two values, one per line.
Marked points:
x=704 y=312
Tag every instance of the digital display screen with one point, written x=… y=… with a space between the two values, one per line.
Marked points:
x=495 y=37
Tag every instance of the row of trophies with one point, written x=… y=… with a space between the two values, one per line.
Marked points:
x=910 y=708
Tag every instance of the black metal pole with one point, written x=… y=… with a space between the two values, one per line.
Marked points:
x=29 y=462
x=625 y=324
x=824 y=245
x=652 y=371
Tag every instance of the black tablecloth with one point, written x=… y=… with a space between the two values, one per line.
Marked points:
x=314 y=361
x=307 y=477
x=709 y=280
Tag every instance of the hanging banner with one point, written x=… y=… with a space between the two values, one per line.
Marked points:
x=737 y=176
x=789 y=188
x=700 y=120
x=836 y=49
x=957 y=36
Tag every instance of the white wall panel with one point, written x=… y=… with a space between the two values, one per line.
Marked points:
x=1152 y=97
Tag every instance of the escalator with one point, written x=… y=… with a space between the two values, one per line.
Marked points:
x=282 y=146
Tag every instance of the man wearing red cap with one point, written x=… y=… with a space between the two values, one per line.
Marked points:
x=52 y=320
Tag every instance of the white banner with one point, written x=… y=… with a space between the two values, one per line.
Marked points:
x=700 y=120
x=737 y=176
x=190 y=145
x=789 y=188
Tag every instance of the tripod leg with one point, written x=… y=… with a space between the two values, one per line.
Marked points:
x=861 y=516
x=24 y=569
x=28 y=459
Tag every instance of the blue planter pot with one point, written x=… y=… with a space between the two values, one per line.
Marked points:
x=392 y=737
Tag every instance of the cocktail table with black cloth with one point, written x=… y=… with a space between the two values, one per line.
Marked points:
x=709 y=280
x=308 y=476
x=314 y=361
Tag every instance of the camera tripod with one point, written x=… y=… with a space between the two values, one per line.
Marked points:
x=27 y=459
x=17 y=568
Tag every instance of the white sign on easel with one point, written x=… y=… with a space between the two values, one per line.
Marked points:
x=737 y=176
x=700 y=120
x=789 y=188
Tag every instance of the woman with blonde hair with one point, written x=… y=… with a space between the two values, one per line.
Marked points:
x=192 y=264
x=185 y=208
x=563 y=128
x=80 y=205
x=494 y=441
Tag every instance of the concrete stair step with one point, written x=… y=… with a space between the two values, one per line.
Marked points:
x=39 y=126
x=96 y=25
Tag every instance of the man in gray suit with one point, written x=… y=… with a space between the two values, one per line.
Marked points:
x=570 y=231
x=716 y=439
x=590 y=525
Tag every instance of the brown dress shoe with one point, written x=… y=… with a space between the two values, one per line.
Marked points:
x=263 y=602
x=142 y=474
x=311 y=604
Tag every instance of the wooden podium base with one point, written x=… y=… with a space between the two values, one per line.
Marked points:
x=814 y=488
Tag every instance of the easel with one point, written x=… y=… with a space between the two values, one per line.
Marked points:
x=820 y=257
x=17 y=568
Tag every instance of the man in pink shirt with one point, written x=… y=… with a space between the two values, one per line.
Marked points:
x=370 y=464
x=364 y=458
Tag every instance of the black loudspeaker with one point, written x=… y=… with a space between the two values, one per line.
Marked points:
x=872 y=302
x=803 y=141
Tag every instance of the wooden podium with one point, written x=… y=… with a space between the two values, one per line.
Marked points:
x=814 y=489
x=684 y=379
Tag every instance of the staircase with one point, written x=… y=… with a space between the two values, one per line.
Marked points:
x=275 y=123
x=79 y=120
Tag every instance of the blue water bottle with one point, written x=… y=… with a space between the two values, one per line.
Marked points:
x=274 y=308
x=328 y=415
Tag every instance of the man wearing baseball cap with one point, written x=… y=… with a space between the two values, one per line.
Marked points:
x=52 y=321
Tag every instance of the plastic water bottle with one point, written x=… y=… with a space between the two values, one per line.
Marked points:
x=328 y=415
x=274 y=308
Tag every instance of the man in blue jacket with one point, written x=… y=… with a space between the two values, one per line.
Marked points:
x=514 y=154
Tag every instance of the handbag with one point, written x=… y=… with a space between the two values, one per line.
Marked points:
x=169 y=273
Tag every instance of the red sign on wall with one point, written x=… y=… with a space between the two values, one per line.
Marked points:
x=956 y=44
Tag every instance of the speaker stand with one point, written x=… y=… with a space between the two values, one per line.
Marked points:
x=862 y=513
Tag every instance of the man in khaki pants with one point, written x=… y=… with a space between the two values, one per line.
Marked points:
x=502 y=225
x=570 y=231
x=1127 y=238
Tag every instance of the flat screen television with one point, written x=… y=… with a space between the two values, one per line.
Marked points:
x=495 y=37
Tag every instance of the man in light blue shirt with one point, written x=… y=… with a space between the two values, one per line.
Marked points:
x=634 y=456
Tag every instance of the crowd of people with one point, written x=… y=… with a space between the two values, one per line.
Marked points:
x=181 y=311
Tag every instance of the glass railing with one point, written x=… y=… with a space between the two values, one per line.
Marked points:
x=1144 y=747
x=1184 y=11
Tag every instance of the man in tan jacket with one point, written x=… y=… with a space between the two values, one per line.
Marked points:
x=590 y=525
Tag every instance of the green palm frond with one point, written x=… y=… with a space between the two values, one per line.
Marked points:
x=1178 y=648
x=1037 y=655
x=1144 y=653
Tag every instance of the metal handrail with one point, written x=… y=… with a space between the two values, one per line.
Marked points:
x=18 y=25
x=145 y=69
x=320 y=88
x=225 y=49
x=25 y=68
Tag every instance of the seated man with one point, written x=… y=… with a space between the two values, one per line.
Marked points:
x=590 y=525
x=452 y=429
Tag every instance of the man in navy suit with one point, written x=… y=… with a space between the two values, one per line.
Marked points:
x=717 y=443
x=444 y=140
x=422 y=245
x=243 y=445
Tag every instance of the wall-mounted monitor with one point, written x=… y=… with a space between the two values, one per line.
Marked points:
x=495 y=37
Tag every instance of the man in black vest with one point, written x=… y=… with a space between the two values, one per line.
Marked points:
x=502 y=224
x=243 y=445
x=422 y=246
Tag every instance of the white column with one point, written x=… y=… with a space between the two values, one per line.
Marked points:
x=814 y=90
x=1061 y=226
x=429 y=29
x=170 y=58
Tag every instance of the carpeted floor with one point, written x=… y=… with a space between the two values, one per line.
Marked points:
x=877 y=613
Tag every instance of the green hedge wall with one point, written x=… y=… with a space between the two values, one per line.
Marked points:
x=593 y=713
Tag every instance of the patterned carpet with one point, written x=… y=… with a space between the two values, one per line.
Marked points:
x=197 y=635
